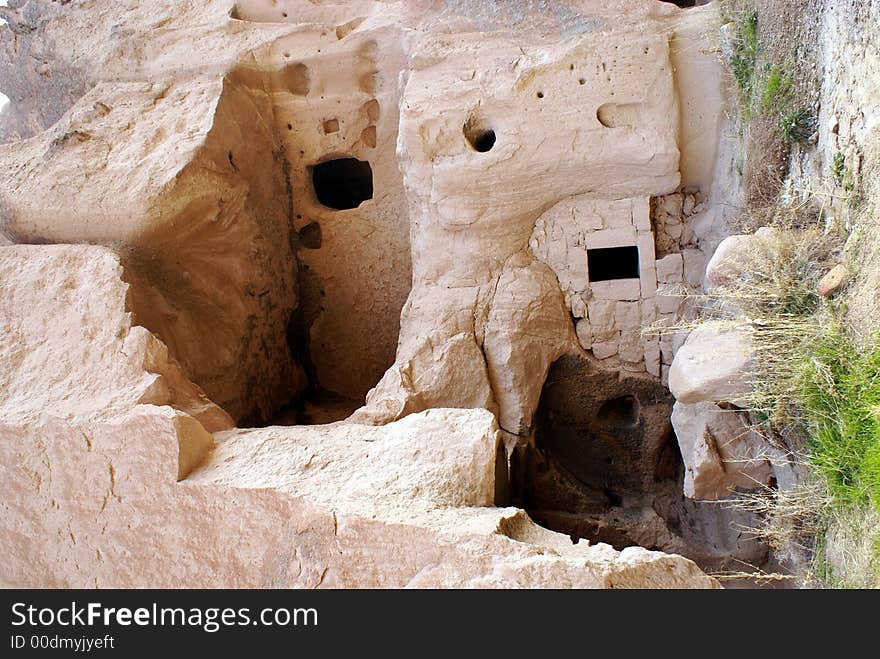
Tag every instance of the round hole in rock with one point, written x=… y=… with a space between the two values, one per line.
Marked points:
x=621 y=412
x=343 y=183
x=479 y=134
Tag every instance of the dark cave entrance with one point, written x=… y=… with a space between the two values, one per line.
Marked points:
x=604 y=465
x=316 y=406
x=342 y=183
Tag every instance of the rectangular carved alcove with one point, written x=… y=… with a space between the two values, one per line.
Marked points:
x=607 y=263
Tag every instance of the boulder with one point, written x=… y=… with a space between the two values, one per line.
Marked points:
x=714 y=364
x=721 y=453
x=725 y=268
x=833 y=281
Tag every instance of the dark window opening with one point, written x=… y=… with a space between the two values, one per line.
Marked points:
x=343 y=183
x=613 y=263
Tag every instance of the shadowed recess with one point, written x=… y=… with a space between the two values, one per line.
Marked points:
x=608 y=263
x=479 y=134
x=343 y=183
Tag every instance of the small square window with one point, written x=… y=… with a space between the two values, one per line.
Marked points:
x=608 y=263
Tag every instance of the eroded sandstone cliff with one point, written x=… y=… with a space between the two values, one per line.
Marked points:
x=444 y=230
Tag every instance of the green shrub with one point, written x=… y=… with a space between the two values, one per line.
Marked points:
x=796 y=125
x=838 y=167
x=745 y=51
x=841 y=173
x=775 y=89
x=841 y=406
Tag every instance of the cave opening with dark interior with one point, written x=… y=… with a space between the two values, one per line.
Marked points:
x=603 y=464
x=342 y=183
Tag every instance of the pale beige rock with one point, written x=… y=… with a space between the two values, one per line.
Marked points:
x=669 y=299
x=714 y=364
x=263 y=535
x=671 y=205
x=627 y=315
x=155 y=196
x=725 y=268
x=187 y=140
x=619 y=289
x=833 y=281
x=434 y=459
x=578 y=306
x=670 y=269
x=720 y=452
x=584 y=333
x=69 y=349
x=602 y=314
x=694 y=268
x=528 y=328
x=606 y=348
x=280 y=507
x=652 y=355
x=434 y=368
x=484 y=206
x=631 y=349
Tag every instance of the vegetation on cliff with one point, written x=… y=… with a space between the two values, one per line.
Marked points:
x=817 y=387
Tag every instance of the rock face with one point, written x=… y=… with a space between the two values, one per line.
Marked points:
x=721 y=453
x=714 y=364
x=113 y=471
x=63 y=307
x=242 y=211
x=118 y=170
x=624 y=88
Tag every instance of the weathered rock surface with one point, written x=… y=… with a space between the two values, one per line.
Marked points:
x=423 y=207
x=526 y=331
x=96 y=466
x=721 y=453
x=714 y=364
x=833 y=281
x=177 y=200
x=508 y=187
x=70 y=350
